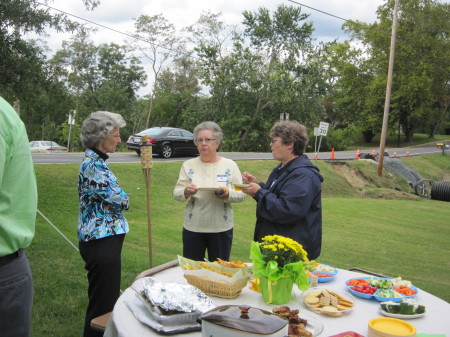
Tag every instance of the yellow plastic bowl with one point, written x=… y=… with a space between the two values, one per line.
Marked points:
x=389 y=327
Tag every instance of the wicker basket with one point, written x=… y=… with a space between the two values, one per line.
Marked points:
x=217 y=288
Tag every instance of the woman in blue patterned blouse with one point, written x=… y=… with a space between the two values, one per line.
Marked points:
x=101 y=224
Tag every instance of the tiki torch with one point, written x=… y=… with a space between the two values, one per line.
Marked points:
x=147 y=164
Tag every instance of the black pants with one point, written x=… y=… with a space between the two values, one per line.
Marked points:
x=103 y=262
x=218 y=245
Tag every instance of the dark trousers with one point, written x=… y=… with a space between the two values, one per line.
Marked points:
x=218 y=245
x=16 y=297
x=103 y=262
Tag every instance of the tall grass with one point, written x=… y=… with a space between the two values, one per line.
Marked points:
x=405 y=238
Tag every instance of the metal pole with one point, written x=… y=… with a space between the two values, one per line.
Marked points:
x=388 y=90
x=318 y=148
x=147 y=164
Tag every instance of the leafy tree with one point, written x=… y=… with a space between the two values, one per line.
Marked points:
x=281 y=41
x=264 y=73
x=100 y=77
x=176 y=94
x=156 y=40
x=22 y=63
x=420 y=93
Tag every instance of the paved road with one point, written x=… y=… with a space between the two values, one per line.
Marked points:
x=132 y=157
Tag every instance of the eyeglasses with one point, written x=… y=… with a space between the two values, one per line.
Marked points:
x=204 y=140
x=274 y=140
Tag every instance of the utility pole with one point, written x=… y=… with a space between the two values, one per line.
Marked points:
x=388 y=90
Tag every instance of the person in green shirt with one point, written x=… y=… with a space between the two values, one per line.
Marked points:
x=18 y=205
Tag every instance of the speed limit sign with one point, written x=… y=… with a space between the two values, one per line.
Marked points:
x=323 y=128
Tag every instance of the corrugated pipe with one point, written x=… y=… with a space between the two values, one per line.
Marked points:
x=440 y=190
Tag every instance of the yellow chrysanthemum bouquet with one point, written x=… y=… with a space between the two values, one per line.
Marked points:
x=278 y=262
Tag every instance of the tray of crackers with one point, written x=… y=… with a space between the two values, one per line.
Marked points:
x=328 y=301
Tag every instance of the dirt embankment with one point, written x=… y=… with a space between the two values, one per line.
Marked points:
x=354 y=176
x=367 y=187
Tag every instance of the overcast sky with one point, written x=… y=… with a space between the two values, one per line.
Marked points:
x=119 y=14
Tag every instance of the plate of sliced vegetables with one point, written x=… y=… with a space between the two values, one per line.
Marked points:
x=381 y=289
x=408 y=308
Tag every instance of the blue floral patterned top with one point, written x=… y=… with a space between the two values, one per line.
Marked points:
x=101 y=200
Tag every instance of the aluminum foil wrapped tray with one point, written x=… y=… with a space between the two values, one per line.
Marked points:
x=173 y=304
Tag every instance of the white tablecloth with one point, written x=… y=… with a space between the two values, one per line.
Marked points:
x=435 y=321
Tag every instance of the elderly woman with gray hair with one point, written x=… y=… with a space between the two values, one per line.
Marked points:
x=206 y=183
x=101 y=224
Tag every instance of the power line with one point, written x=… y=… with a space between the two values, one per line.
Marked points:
x=171 y=50
x=105 y=27
x=318 y=10
x=368 y=27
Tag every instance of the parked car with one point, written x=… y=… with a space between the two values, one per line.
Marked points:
x=46 y=146
x=166 y=141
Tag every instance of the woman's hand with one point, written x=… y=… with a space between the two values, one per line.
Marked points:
x=222 y=193
x=247 y=178
x=190 y=190
x=252 y=189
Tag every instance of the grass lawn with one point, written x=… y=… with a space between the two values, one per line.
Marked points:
x=392 y=232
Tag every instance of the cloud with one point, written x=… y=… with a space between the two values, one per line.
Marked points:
x=119 y=14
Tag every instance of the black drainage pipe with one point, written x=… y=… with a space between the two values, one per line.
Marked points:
x=440 y=190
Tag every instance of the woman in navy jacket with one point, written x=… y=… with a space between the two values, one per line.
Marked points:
x=289 y=203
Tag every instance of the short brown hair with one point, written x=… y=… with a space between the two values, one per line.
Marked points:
x=291 y=132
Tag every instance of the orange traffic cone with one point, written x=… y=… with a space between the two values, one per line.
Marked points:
x=315 y=155
x=332 y=153
x=407 y=153
x=373 y=153
x=395 y=154
x=358 y=155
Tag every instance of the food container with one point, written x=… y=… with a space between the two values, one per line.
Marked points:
x=324 y=276
x=168 y=318
x=242 y=321
x=330 y=302
x=214 y=279
x=173 y=304
x=390 y=327
x=376 y=295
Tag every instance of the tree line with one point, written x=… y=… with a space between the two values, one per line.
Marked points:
x=242 y=77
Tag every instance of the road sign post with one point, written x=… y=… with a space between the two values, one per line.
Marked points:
x=321 y=131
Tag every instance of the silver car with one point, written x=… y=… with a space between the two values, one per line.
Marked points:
x=46 y=146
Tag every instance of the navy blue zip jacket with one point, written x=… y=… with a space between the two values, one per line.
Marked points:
x=289 y=204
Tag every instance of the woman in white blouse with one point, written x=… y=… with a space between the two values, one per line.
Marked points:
x=207 y=184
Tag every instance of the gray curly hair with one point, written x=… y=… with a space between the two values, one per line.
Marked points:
x=214 y=127
x=97 y=127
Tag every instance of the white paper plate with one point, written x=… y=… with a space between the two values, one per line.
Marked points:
x=400 y=316
x=241 y=185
